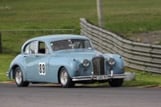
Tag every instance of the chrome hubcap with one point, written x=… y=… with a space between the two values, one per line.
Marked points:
x=18 y=77
x=64 y=77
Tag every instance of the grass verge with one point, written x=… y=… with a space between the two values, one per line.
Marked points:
x=5 y=60
x=143 y=78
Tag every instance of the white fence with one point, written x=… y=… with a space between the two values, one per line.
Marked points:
x=139 y=56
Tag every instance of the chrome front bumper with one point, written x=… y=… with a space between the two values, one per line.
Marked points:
x=98 y=77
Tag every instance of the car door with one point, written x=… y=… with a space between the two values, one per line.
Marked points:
x=30 y=60
x=36 y=60
x=42 y=57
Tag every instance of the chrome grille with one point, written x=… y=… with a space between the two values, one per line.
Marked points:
x=98 y=65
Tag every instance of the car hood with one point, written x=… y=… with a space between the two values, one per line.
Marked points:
x=78 y=53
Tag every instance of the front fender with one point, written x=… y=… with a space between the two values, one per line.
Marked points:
x=72 y=68
x=71 y=65
x=56 y=63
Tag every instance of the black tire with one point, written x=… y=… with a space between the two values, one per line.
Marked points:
x=64 y=78
x=116 y=82
x=19 y=78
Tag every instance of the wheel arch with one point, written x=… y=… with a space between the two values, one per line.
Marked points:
x=13 y=70
x=69 y=71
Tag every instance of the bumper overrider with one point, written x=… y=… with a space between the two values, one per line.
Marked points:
x=98 y=77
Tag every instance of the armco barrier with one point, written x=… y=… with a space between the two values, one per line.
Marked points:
x=146 y=57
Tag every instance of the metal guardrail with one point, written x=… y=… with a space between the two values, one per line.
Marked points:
x=146 y=57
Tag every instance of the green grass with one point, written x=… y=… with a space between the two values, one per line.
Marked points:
x=5 y=60
x=125 y=17
x=144 y=79
x=122 y=16
x=22 y=14
x=12 y=41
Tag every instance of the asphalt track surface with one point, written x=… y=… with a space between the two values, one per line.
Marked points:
x=81 y=96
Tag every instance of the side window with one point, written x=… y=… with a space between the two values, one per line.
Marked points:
x=42 y=48
x=60 y=45
x=87 y=44
x=31 y=48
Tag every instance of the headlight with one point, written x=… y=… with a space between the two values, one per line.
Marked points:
x=86 y=63
x=111 y=61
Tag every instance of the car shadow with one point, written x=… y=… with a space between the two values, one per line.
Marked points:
x=76 y=86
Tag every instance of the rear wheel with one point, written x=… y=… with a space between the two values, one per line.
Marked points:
x=19 y=78
x=116 y=82
x=65 y=79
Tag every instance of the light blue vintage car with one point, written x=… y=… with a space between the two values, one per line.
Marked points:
x=65 y=59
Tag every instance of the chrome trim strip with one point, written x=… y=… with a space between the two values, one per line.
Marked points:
x=96 y=77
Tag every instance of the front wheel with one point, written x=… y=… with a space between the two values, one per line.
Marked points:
x=116 y=82
x=19 y=78
x=65 y=79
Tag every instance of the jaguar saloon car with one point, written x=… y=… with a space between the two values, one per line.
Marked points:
x=66 y=60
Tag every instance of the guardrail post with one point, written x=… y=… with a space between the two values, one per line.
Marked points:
x=0 y=42
x=100 y=13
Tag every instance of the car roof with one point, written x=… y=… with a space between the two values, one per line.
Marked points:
x=58 y=37
x=51 y=38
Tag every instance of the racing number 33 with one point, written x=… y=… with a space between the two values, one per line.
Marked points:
x=42 y=69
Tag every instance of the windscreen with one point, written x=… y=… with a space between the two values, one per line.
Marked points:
x=71 y=44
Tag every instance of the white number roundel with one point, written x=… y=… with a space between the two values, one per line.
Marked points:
x=42 y=69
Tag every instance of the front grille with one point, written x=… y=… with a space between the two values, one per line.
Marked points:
x=98 y=65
